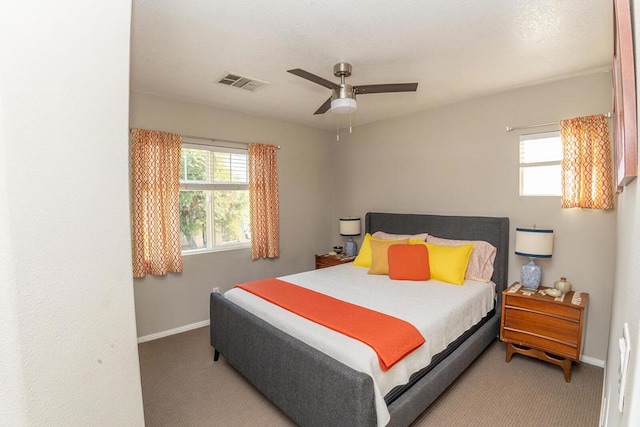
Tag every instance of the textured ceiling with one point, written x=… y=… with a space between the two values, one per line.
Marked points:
x=455 y=50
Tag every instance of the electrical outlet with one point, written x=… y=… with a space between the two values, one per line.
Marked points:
x=215 y=290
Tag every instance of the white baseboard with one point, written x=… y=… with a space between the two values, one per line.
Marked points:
x=586 y=359
x=592 y=361
x=174 y=331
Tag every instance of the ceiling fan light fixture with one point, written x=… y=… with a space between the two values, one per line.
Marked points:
x=343 y=95
x=344 y=105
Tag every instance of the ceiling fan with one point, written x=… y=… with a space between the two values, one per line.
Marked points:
x=343 y=95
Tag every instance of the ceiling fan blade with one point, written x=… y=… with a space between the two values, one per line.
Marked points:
x=384 y=88
x=324 y=107
x=312 y=77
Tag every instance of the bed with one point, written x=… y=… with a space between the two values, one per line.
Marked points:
x=315 y=389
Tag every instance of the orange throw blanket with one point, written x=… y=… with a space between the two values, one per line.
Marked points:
x=391 y=338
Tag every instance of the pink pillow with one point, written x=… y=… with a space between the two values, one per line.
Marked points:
x=389 y=236
x=480 y=266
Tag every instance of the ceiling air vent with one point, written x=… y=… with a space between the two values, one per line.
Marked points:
x=242 y=82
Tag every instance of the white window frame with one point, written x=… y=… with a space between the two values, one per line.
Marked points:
x=524 y=166
x=198 y=186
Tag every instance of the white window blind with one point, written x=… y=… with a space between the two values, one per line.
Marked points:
x=540 y=164
x=214 y=198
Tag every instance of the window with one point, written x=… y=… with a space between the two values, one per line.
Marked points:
x=214 y=199
x=540 y=164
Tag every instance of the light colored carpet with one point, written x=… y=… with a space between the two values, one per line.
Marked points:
x=182 y=386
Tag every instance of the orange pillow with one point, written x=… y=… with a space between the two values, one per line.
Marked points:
x=409 y=262
x=379 y=255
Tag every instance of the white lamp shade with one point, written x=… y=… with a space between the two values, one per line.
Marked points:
x=344 y=105
x=534 y=242
x=350 y=226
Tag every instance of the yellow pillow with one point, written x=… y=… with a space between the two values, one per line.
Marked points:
x=364 y=256
x=449 y=263
x=379 y=255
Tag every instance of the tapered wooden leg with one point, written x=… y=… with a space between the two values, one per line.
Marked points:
x=509 y=352
x=566 y=368
x=563 y=362
x=216 y=355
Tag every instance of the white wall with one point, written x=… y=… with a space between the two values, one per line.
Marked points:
x=626 y=297
x=458 y=159
x=177 y=300
x=69 y=353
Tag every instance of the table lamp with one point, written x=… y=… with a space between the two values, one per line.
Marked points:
x=350 y=226
x=533 y=243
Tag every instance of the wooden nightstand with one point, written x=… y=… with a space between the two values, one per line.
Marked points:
x=543 y=327
x=326 y=260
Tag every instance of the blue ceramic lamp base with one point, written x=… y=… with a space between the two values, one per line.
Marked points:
x=531 y=275
x=350 y=247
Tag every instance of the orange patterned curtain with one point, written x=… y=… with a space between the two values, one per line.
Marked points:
x=587 y=178
x=263 y=201
x=155 y=217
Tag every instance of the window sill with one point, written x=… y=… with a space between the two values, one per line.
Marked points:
x=218 y=249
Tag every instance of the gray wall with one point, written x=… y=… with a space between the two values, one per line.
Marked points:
x=458 y=159
x=177 y=300
x=626 y=297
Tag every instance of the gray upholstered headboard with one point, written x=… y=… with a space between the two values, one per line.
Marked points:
x=490 y=229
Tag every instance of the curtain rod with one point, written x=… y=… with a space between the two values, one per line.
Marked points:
x=509 y=129
x=220 y=140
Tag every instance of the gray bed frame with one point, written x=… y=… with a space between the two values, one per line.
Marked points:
x=314 y=389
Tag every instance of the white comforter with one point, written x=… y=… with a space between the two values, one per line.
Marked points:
x=440 y=311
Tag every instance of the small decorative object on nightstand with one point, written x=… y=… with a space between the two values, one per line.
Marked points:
x=350 y=226
x=562 y=285
x=542 y=326
x=327 y=260
x=533 y=243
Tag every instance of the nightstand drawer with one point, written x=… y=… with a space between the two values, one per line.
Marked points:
x=549 y=307
x=535 y=323
x=527 y=339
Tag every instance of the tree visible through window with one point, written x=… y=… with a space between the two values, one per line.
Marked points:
x=214 y=198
